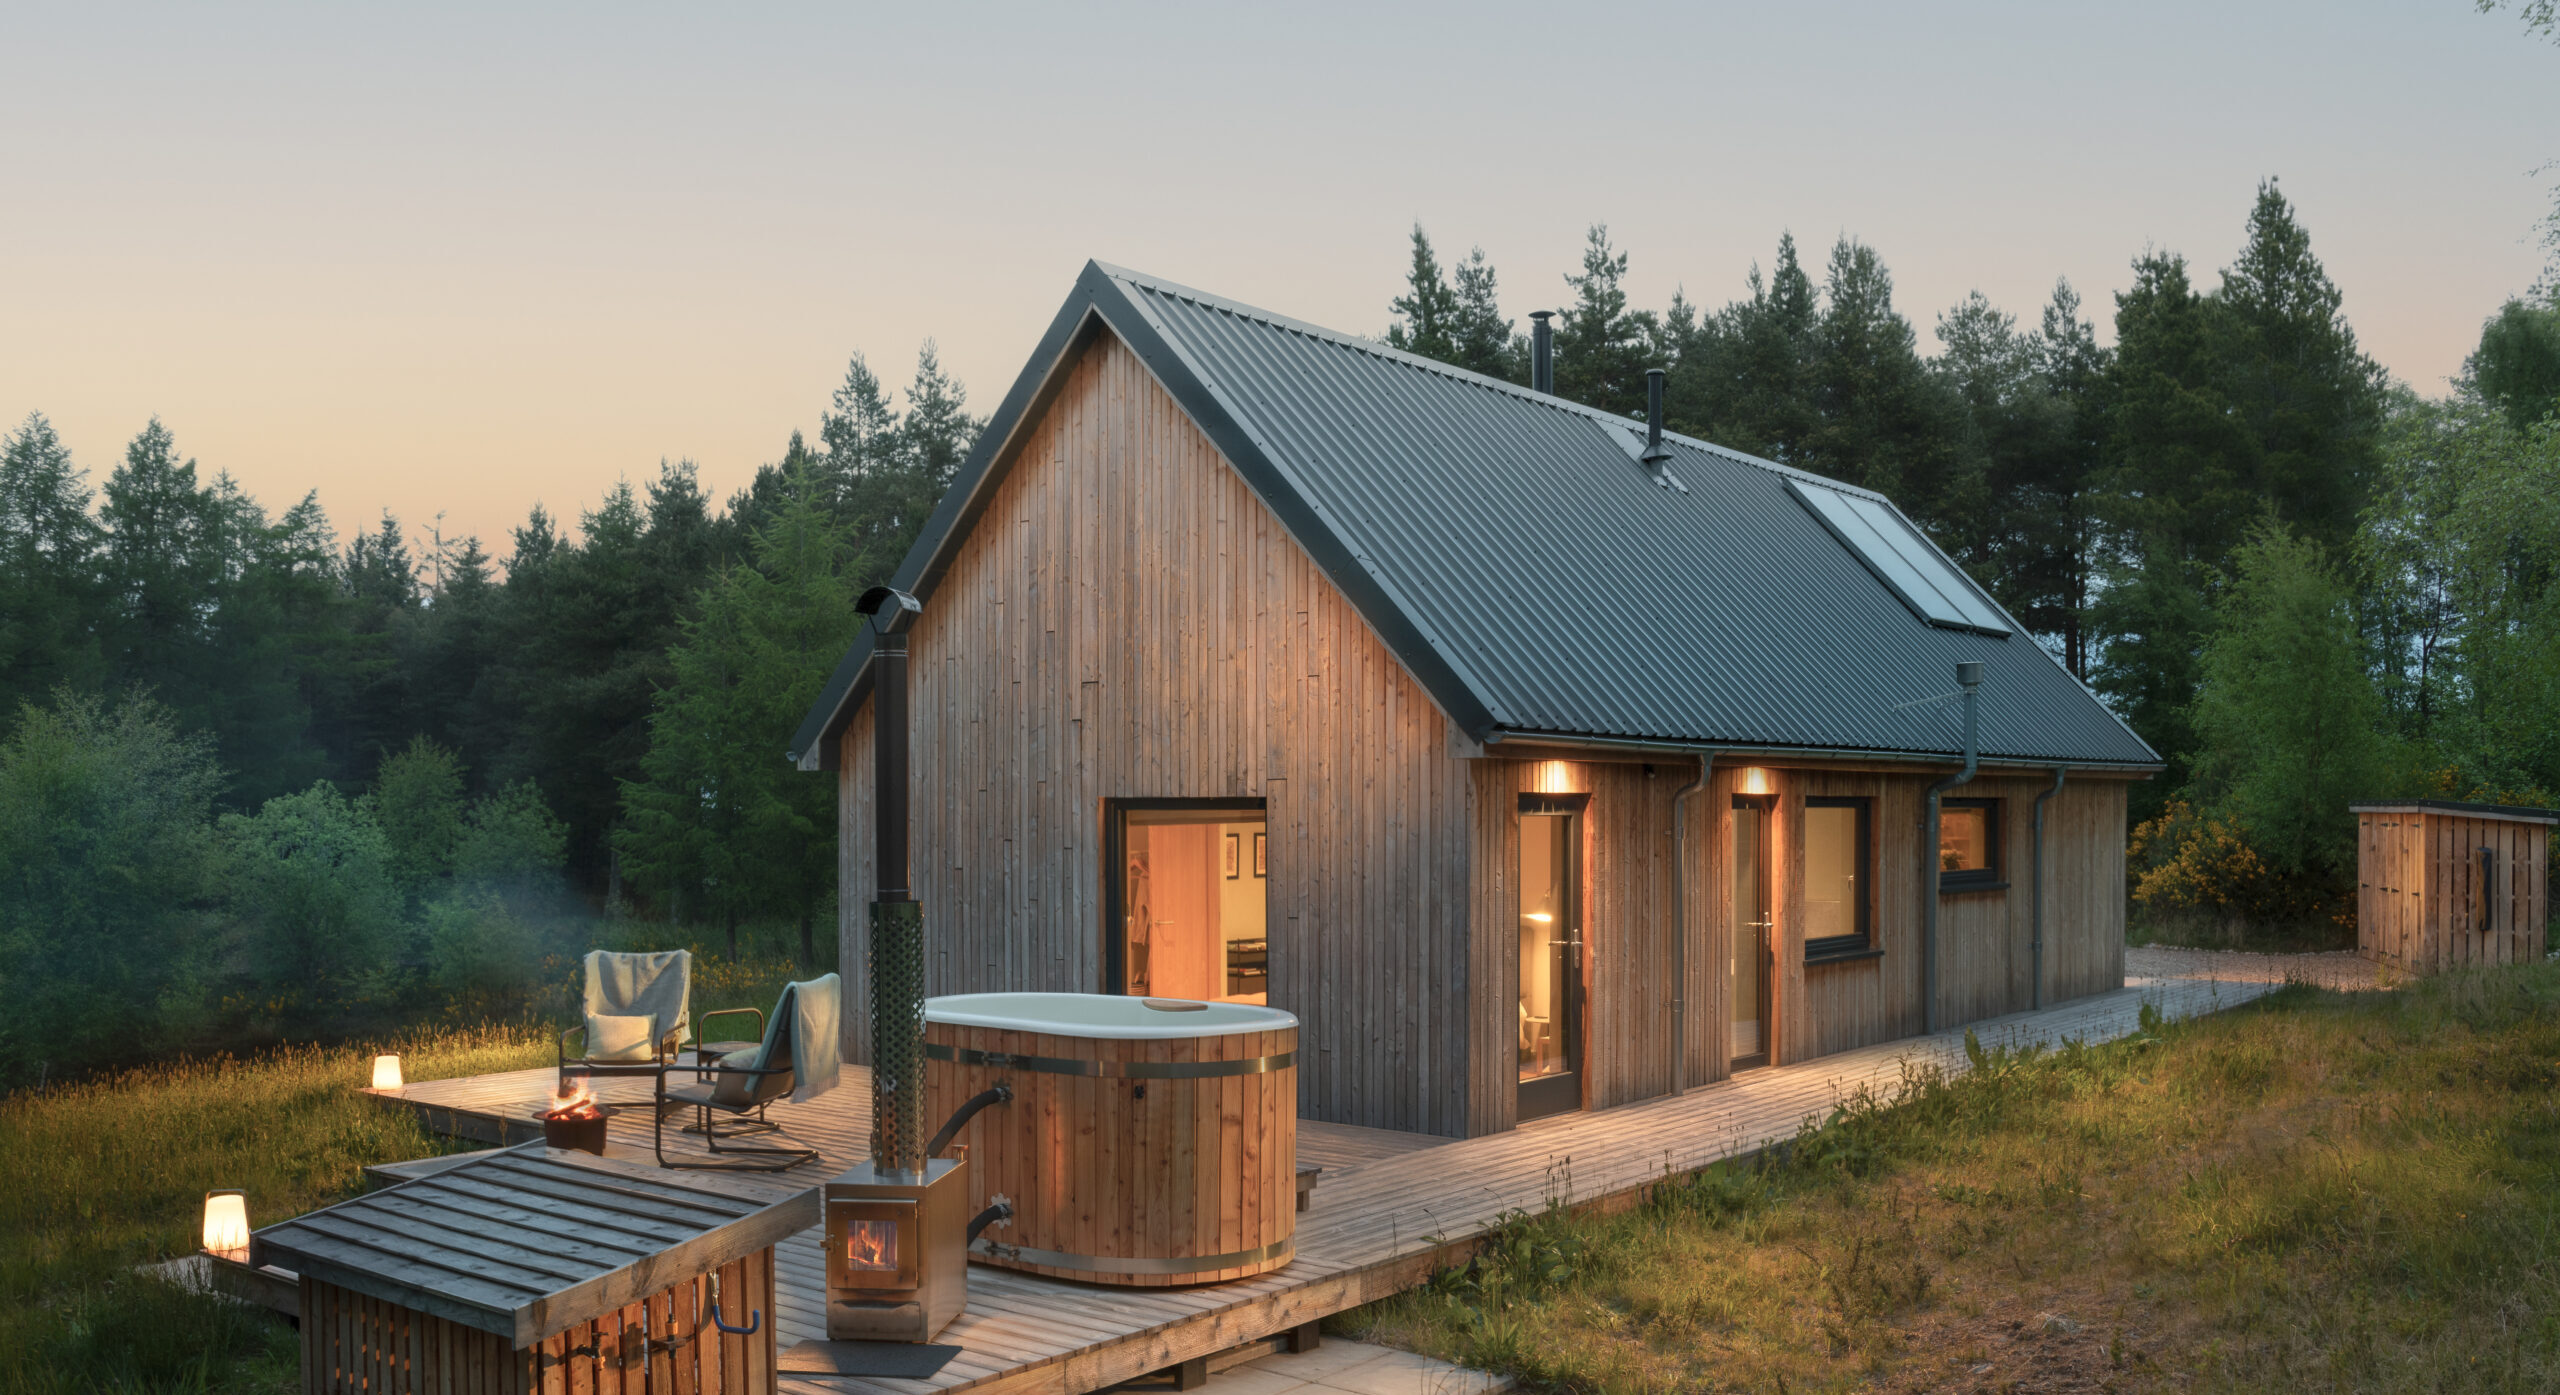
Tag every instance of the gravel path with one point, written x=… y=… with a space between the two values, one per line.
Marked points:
x=2342 y=969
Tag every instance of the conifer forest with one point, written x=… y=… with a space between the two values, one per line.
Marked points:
x=261 y=778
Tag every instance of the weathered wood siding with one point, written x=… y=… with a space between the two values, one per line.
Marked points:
x=1985 y=936
x=2421 y=904
x=1127 y=620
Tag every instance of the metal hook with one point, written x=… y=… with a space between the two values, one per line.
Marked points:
x=755 y=1321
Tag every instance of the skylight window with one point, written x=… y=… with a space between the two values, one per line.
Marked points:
x=1902 y=559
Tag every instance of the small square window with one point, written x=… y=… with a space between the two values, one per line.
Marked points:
x=1968 y=844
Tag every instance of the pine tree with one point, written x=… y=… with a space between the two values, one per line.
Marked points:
x=2176 y=501
x=1884 y=422
x=1481 y=340
x=1748 y=381
x=1428 y=310
x=2310 y=399
x=49 y=599
x=1600 y=344
x=716 y=817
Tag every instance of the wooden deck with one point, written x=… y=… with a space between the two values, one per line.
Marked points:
x=1392 y=1207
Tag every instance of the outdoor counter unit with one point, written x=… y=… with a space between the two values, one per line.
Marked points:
x=1149 y=1141
x=2447 y=885
x=523 y=1271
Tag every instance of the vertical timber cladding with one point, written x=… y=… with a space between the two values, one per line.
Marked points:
x=1127 y=620
x=1626 y=850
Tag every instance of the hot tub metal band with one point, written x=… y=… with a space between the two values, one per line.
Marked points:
x=1095 y=1264
x=1131 y=1070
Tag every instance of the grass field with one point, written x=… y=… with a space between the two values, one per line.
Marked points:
x=2319 y=1192
x=109 y=1174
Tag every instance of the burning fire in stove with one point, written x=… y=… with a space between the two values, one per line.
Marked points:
x=871 y=1245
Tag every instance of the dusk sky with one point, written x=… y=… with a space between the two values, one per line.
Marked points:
x=464 y=259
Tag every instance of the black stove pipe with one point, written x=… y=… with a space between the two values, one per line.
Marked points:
x=1654 y=451
x=897 y=918
x=1542 y=352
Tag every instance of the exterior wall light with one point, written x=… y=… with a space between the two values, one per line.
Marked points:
x=1752 y=779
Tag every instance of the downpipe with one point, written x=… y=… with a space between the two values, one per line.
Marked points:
x=1680 y=921
x=1969 y=680
x=2035 y=918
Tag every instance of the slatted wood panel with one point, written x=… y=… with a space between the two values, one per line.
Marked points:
x=1128 y=620
x=1114 y=1168
x=2425 y=905
x=529 y=1242
x=1380 y=1226
x=664 y=1344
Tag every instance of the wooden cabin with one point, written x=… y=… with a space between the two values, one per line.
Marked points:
x=1533 y=769
x=2442 y=884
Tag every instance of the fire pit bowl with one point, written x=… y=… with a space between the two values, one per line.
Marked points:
x=1149 y=1141
x=574 y=1119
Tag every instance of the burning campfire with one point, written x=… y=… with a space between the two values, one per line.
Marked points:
x=572 y=1099
x=574 y=1119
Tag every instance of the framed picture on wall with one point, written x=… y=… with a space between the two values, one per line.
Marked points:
x=1261 y=868
x=1232 y=859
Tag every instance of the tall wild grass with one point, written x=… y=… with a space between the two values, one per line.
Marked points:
x=2349 y=1192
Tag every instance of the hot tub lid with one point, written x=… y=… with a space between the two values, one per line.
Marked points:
x=1105 y=1016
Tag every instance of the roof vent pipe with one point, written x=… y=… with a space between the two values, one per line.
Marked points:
x=1655 y=453
x=1542 y=352
x=1969 y=682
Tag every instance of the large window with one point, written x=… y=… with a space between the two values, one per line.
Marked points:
x=1185 y=915
x=1837 y=905
x=1969 y=844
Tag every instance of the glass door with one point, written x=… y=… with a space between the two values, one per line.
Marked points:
x=1747 y=963
x=1550 y=961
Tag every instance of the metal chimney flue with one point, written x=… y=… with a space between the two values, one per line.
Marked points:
x=897 y=918
x=1542 y=352
x=1655 y=453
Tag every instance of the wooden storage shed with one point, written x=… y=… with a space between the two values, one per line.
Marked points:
x=524 y=1271
x=2442 y=884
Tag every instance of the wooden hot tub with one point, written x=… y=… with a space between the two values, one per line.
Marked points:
x=1149 y=1141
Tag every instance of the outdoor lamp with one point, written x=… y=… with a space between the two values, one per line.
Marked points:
x=226 y=1223
x=1753 y=780
x=386 y=1073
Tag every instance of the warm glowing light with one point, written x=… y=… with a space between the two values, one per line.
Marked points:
x=1542 y=917
x=1753 y=779
x=871 y=1244
x=1554 y=777
x=226 y=1224
x=386 y=1073
x=571 y=1099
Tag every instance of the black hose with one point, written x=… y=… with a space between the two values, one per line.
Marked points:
x=1001 y=1210
x=998 y=1093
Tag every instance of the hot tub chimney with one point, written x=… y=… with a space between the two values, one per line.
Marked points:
x=1542 y=352
x=897 y=918
x=897 y=1229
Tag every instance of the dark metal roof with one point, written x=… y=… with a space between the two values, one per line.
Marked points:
x=2520 y=813
x=1535 y=576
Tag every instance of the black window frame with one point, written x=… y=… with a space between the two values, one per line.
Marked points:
x=1862 y=944
x=1993 y=875
x=1115 y=872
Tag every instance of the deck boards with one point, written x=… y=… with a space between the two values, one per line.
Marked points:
x=1388 y=1205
